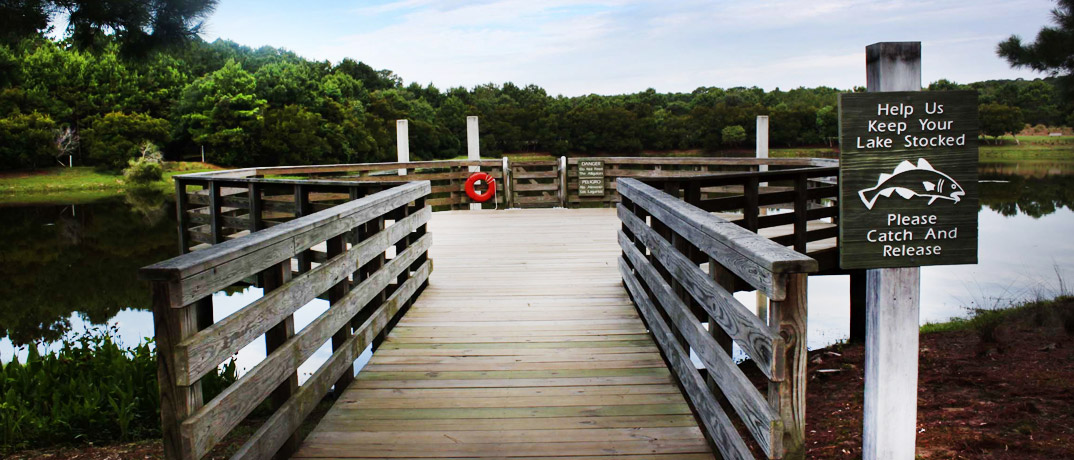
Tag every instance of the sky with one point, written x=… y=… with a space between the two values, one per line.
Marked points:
x=624 y=46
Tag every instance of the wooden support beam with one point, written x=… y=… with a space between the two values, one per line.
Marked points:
x=274 y=277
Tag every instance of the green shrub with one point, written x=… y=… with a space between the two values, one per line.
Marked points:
x=116 y=138
x=148 y=168
x=90 y=390
x=26 y=141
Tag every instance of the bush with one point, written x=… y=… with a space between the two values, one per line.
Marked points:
x=148 y=168
x=26 y=141
x=733 y=135
x=116 y=138
x=90 y=390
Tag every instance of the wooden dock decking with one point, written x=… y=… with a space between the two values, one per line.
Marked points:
x=524 y=344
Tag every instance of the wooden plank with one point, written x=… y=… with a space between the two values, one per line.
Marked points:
x=310 y=229
x=754 y=259
x=761 y=421
x=788 y=396
x=201 y=353
x=536 y=350
x=750 y=332
x=210 y=424
x=177 y=402
x=273 y=433
x=719 y=428
x=227 y=273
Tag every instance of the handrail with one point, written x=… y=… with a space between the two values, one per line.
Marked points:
x=367 y=293
x=675 y=296
x=808 y=197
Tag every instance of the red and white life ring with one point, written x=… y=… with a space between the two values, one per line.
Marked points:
x=480 y=197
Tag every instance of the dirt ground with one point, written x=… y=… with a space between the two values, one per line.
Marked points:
x=1002 y=393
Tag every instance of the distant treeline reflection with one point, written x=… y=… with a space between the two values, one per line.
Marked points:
x=58 y=260
x=1034 y=196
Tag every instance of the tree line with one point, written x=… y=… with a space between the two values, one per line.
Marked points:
x=269 y=106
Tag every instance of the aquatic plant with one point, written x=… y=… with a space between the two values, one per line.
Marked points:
x=91 y=389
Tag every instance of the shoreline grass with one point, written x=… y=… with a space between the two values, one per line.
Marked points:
x=80 y=178
x=986 y=320
x=81 y=184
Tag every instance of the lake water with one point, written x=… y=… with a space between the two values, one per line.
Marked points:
x=66 y=268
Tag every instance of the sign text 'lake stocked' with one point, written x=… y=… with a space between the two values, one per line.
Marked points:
x=908 y=179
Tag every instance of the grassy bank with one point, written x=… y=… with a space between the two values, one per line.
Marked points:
x=21 y=184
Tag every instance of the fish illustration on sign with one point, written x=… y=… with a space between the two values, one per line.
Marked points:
x=909 y=180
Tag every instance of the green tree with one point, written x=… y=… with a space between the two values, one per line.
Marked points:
x=26 y=141
x=1052 y=51
x=222 y=112
x=828 y=123
x=115 y=138
x=292 y=136
x=138 y=26
x=733 y=135
x=999 y=119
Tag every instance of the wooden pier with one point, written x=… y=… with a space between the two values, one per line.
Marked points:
x=524 y=344
x=541 y=333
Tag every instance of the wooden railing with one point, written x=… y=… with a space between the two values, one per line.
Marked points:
x=367 y=293
x=671 y=167
x=535 y=184
x=792 y=207
x=662 y=267
x=216 y=206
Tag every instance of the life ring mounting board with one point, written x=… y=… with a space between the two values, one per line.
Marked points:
x=483 y=177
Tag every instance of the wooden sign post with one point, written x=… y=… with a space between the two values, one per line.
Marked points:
x=908 y=197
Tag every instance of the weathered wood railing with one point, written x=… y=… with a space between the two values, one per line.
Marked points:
x=672 y=167
x=216 y=206
x=535 y=184
x=796 y=198
x=367 y=293
x=663 y=241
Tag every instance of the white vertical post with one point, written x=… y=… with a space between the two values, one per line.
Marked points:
x=402 y=143
x=506 y=168
x=762 y=152
x=892 y=302
x=762 y=140
x=473 y=149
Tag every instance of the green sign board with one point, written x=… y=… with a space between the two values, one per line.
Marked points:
x=590 y=177
x=907 y=179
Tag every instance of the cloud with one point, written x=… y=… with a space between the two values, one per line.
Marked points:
x=616 y=46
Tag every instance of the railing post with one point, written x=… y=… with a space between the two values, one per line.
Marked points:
x=473 y=149
x=751 y=210
x=172 y=324
x=402 y=143
x=302 y=208
x=335 y=246
x=762 y=143
x=182 y=202
x=857 y=306
x=508 y=202
x=274 y=277
x=788 y=320
x=214 y=212
x=801 y=210
x=563 y=199
x=254 y=196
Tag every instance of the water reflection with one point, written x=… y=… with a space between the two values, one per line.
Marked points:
x=65 y=264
